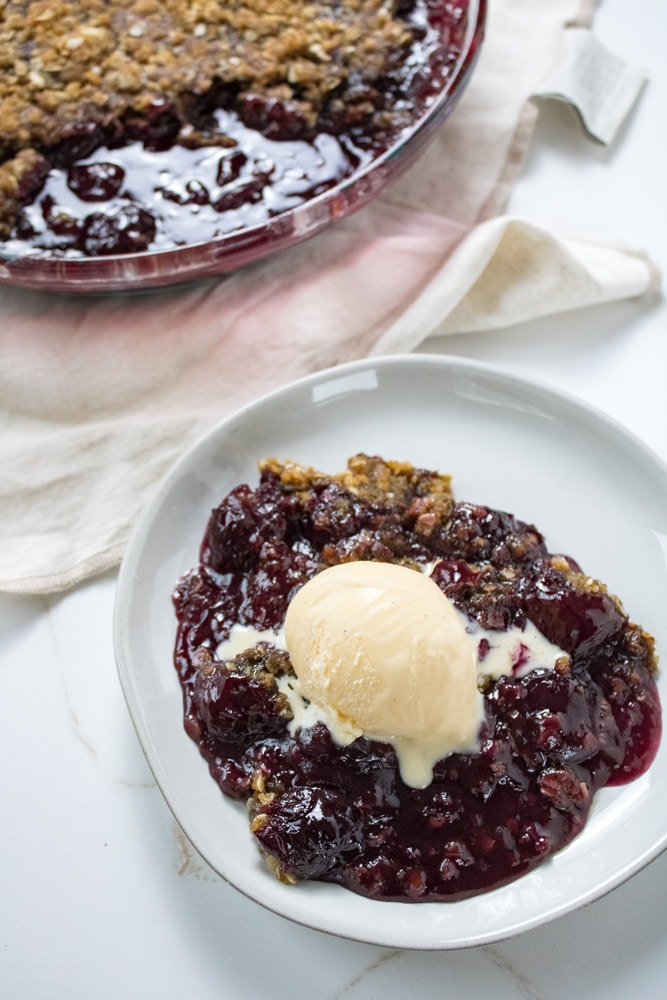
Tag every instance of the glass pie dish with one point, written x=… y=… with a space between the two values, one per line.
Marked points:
x=437 y=71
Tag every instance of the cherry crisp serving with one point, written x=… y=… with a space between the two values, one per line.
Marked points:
x=550 y=738
x=128 y=125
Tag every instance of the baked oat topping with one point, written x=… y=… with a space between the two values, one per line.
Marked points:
x=66 y=63
x=19 y=178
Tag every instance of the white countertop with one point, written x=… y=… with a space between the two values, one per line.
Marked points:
x=101 y=895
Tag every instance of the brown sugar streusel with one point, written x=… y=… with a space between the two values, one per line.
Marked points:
x=67 y=62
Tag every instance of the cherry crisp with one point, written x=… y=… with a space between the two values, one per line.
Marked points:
x=550 y=738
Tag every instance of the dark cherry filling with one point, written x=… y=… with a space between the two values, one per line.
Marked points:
x=550 y=739
x=157 y=198
x=145 y=182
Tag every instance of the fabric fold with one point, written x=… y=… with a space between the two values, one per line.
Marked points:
x=81 y=465
x=510 y=271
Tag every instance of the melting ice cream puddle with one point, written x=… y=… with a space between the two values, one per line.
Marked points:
x=379 y=651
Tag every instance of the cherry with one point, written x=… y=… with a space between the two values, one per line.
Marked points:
x=95 y=181
x=129 y=230
x=310 y=830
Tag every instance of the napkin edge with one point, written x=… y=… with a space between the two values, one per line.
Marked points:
x=59 y=582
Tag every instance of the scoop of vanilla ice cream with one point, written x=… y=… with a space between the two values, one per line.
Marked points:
x=381 y=652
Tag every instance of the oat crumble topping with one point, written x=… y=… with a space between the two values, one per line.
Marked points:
x=63 y=62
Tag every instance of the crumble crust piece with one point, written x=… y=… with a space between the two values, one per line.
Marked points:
x=63 y=63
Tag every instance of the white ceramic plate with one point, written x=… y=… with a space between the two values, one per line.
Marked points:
x=593 y=489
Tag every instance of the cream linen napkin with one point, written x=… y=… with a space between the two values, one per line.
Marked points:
x=98 y=396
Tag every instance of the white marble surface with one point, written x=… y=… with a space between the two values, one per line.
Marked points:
x=102 y=898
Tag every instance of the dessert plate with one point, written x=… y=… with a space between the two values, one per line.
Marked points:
x=594 y=490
